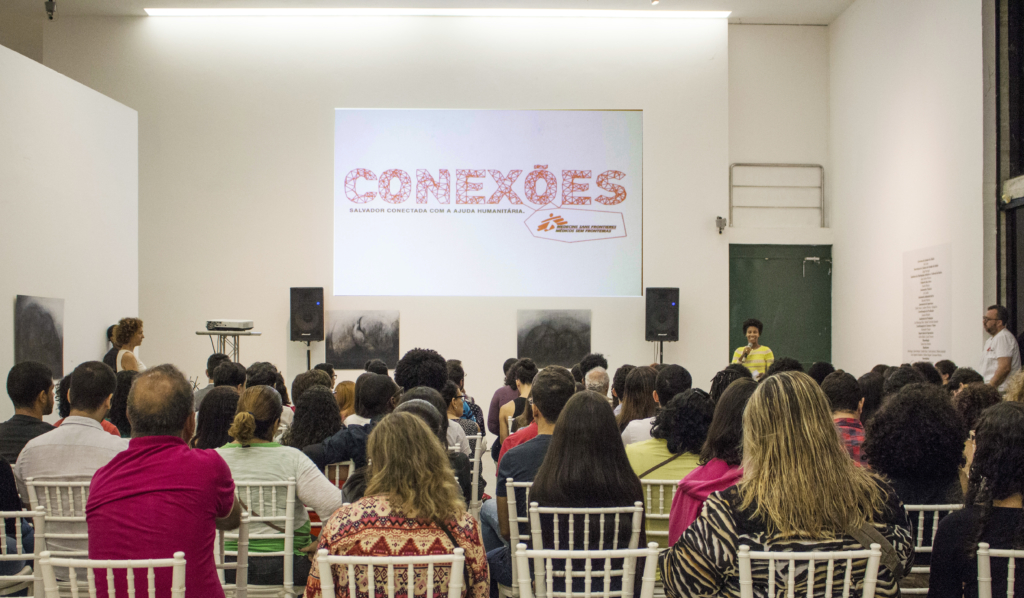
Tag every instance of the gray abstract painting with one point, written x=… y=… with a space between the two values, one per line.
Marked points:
x=355 y=337
x=553 y=336
x=39 y=332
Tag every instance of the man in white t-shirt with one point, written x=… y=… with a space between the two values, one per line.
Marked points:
x=1001 y=357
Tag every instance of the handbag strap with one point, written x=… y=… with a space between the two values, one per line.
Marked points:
x=467 y=578
x=867 y=535
x=658 y=466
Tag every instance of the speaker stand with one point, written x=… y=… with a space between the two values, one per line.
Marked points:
x=661 y=352
x=308 y=358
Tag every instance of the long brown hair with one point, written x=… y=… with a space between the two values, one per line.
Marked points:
x=345 y=396
x=258 y=408
x=638 y=402
x=409 y=465
x=797 y=476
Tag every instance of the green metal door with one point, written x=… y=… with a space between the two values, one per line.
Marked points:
x=789 y=288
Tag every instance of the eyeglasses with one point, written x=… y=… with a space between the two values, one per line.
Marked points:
x=988 y=319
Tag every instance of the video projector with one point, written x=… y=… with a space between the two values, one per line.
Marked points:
x=229 y=325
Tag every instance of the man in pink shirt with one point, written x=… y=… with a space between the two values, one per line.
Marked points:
x=159 y=497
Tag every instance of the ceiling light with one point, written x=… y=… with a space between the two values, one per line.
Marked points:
x=654 y=2
x=436 y=12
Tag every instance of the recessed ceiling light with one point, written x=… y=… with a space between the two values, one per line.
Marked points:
x=435 y=12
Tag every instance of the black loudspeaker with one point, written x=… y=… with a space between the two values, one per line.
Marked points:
x=662 y=314
x=307 y=313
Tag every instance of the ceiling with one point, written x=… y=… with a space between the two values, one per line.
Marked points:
x=791 y=12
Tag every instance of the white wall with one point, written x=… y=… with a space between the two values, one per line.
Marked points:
x=68 y=206
x=778 y=110
x=236 y=165
x=906 y=154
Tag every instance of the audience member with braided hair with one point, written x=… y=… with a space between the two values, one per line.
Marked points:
x=255 y=456
x=992 y=512
x=677 y=436
x=800 y=492
x=724 y=378
x=719 y=466
x=411 y=503
x=215 y=417
x=316 y=418
x=638 y=402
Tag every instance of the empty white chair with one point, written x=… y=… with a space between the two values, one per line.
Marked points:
x=177 y=565
x=985 y=554
x=658 y=496
x=263 y=501
x=241 y=563
x=359 y=573
x=31 y=573
x=477 y=442
x=585 y=529
x=786 y=574
x=514 y=522
x=338 y=472
x=920 y=516
x=604 y=573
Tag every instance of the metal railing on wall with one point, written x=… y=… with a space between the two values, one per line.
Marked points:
x=776 y=195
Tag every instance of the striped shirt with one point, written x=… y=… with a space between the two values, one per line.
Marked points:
x=758 y=362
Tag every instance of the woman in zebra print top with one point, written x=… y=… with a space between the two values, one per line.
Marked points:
x=800 y=491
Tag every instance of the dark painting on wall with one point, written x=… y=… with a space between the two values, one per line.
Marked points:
x=39 y=332
x=553 y=336
x=355 y=337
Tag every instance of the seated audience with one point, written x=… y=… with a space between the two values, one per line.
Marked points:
x=345 y=397
x=60 y=393
x=870 y=385
x=10 y=501
x=679 y=432
x=946 y=369
x=591 y=361
x=784 y=364
x=638 y=402
x=470 y=410
x=373 y=396
x=900 y=377
x=596 y=380
x=211 y=365
x=581 y=468
x=530 y=431
x=254 y=456
x=551 y=390
x=30 y=386
x=503 y=395
x=411 y=507
x=671 y=381
x=376 y=366
x=453 y=398
x=964 y=376
x=118 y=414
x=359 y=416
x=880 y=369
x=327 y=369
x=215 y=418
x=577 y=373
x=128 y=334
x=619 y=386
x=992 y=512
x=724 y=378
x=930 y=373
x=111 y=357
x=819 y=370
x=307 y=380
x=847 y=403
x=231 y=374
x=917 y=440
x=316 y=418
x=520 y=376
x=288 y=413
x=421 y=367
x=158 y=497
x=74 y=451
x=720 y=456
x=800 y=492
x=969 y=403
x=458 y=458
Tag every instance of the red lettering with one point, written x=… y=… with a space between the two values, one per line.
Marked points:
x=463 y=186
x=350 y=185
x=550 y=189
x=604 y=182
x=505 y=186
x=425 y=183
x=384 y=186
x=570 y=187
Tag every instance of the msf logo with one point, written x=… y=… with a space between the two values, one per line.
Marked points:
x=551 y=223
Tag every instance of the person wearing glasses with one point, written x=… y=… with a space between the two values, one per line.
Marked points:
x=1001 y=357
x=755 y=357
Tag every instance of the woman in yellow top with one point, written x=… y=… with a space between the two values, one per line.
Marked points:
x=755 y=357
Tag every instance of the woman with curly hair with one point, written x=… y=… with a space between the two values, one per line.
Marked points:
x=719 y=465
x=917 y=441
x=800 y=492
x=992 y=512
x=316 y=418
x=638 y=402
x=972 y=399
x=128 y=335
x=411 y=503
x=216 y=413
x=754 y=356
x=679 y=431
